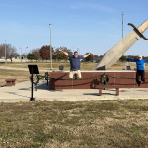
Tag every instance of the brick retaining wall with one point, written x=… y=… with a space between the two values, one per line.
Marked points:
x=89 y=84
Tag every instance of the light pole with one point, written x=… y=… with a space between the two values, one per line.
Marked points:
x=50 y=49
x=5 y=53
x=21 y=53
x=78 y=50
x=122 y=23
x=25 y=51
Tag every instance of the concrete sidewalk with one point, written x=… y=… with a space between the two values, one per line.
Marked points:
x=22 y=92
x=24 y=69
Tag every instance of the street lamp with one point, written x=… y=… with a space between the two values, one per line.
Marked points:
x=5 y=53
x=21 y=53
x=73 y=49
x=50 y=49
x=122 y=23
x=25 y=51
x=122 y=29
x=79 y=50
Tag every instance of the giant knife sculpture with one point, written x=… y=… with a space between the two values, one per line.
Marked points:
x=112 y=55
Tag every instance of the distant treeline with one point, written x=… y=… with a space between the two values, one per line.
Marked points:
x=124 y=57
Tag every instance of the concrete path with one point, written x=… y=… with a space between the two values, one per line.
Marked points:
x=22 y=92
x=24 y=69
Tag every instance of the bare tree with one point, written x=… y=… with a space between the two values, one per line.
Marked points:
x=2 y=50
x=11 y=51
x=36 y=53
x=35 y=50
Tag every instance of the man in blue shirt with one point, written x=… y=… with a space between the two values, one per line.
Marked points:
x=140 y=68
x=75 y=63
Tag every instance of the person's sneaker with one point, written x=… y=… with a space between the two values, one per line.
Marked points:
x=144 y=81
x=139 y=83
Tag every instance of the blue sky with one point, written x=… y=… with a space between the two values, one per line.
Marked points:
x=91 y=25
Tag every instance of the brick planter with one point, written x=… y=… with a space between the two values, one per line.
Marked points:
x=90 y=83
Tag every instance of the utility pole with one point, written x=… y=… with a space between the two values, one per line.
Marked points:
x=5 y=53
x=21 y=54
x=50 y=49
x=25 y=52
x=78 y=50
x=122 y=23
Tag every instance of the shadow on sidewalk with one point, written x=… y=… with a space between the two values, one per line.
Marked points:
x=13 y=93
x=41 y=86
x=97 y=94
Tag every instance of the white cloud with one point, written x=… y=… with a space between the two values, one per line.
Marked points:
x=93 y=6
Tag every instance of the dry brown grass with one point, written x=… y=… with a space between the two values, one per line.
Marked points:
x=84 y=65
x=22 y=75
x=19 y=75
x=46 y=66
x=74 y=124
x=71 y=124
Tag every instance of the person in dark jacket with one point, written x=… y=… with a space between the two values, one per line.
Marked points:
x=75 y=63
x=140 y=68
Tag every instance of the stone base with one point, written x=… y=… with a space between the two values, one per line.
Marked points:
x=90 y=83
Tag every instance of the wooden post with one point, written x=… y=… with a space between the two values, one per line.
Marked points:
x=117 y=91
x=100 y=91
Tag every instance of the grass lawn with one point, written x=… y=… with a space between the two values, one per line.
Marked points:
x=94 y=124
x=22 y=75
x=86 y=66
x=46 y=65
x=19 y=75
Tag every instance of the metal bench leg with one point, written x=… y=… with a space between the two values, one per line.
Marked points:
x=117 y=91
x=100 y=91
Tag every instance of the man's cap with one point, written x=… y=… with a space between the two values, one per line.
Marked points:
x=140 y=56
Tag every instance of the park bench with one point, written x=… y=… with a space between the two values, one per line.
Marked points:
x=100 y=87
x=10 y=82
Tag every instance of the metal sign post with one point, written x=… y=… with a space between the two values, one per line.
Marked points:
x=33 y=70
